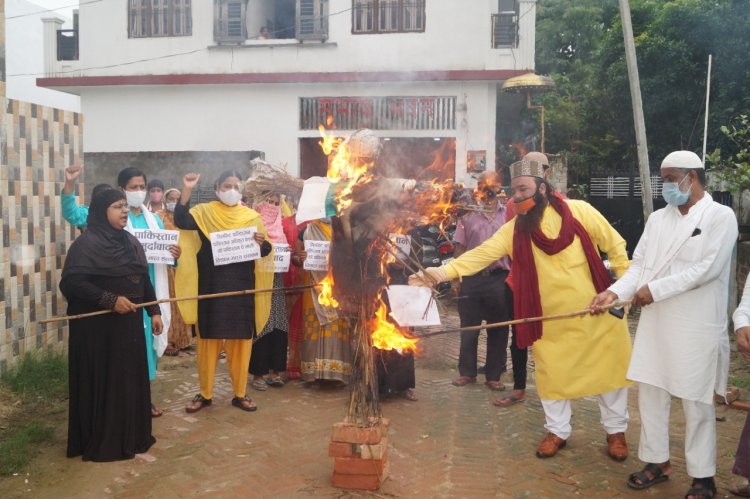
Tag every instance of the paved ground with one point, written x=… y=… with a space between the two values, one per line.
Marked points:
x=451 y=443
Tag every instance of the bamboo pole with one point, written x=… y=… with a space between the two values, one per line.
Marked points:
x=225 y=294
x=526 y=320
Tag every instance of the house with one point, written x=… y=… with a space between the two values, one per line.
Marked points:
x=179 y=85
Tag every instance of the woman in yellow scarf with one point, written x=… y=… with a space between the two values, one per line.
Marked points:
x=224 y=322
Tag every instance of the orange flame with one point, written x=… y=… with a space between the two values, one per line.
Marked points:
x=343 y=171
x=386 y=336
x=325 y=297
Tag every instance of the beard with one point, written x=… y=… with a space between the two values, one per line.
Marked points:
x=531 y=220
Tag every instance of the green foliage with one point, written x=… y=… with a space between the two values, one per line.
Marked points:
x=733 y=166
x=39 y=375
x=19 y=447
x=580 y=45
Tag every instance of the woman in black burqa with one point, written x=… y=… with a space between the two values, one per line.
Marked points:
x=110 y=395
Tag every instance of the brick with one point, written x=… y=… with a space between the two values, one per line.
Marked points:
x=340 y=449
x=374 y=451
x=343 y=432
x=359 y=482
x=358 y=466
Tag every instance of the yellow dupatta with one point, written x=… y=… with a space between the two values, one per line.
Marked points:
x=215 y=217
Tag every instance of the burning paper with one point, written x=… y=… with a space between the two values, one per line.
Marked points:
x=312 y=202
x=413 y=306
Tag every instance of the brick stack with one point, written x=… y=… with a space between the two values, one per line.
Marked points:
x=360 y=455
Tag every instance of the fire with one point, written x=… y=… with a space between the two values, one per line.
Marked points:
x=386 y=336
x=325 y=297
x=344 y=171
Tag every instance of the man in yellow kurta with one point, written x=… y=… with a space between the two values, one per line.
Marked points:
x=554 y=246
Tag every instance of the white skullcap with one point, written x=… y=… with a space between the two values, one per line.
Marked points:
x=682 y=159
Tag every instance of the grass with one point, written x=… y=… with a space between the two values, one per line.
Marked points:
x=36 y=388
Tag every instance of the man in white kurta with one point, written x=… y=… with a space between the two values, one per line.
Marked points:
x=680 y=276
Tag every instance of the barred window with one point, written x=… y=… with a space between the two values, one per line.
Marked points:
x=388 y=16
x=152 y=18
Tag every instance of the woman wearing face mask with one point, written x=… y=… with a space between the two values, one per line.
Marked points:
x=132 y=182
x=232 y=321
x=155 y=196
x=180 y=334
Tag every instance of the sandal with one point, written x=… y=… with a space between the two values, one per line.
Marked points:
x=508 y=401
x=410 y=395
x=244 y=403
x=156 y=413
x=702 y=487
x=640 y=480
x=740 y=490
x=259 y=384
x=204 y=402
x=171 y=351
x=275 y=381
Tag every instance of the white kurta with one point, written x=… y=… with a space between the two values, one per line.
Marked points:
x=681 y=344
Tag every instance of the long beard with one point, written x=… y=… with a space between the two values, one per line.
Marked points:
x=531 y=220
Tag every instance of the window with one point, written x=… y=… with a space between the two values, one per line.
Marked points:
x=152 y=18
x=236 y=21
x=505 y=24
x=388 y=16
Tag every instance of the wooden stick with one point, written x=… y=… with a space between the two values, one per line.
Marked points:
x=527 y=320
x=184 y=298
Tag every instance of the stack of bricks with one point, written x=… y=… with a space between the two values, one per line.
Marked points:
x=360 y=455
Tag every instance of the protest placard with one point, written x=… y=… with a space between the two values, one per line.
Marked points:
x=317 y=255
x=413 y=306
x=282 y=257
x=403 y=245
x=156 y=244
x=234 y=246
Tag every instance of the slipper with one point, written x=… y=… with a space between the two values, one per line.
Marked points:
x=275 y=381
x=245 y=404
x=495 y=386
x=410 y=395
x=643 y=480
x=508 y=401
x=198 y=398
x=171 y=352
x=463 y=381
x=740 y=490
x=259 y=384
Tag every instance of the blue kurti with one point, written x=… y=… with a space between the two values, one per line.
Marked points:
x=139 y=222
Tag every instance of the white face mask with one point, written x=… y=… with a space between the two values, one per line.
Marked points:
x=170 y=206
x=135 y=199
x=230 y=197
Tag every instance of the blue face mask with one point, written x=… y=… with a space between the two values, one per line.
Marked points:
x=672 y=194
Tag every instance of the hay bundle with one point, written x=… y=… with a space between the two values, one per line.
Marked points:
x=267 y=178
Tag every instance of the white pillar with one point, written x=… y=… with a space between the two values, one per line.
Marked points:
x=51 y=25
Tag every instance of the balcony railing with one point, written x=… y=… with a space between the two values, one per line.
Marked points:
x=505 y=29
x=67 y=45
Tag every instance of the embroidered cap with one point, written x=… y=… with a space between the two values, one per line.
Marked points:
x=683 y=159
x=537 y=156
x=527 y=168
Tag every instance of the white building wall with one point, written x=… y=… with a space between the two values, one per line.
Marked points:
x=24 y=52
x=457 y=36
x=261 y=117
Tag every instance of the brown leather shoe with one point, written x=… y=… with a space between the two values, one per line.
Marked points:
x=550 y=445
x=617 y=447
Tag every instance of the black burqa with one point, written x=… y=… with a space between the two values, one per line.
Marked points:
x=110 y=396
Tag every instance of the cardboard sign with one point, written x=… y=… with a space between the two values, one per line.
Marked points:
x=317 y=255
x=234 y=246
x=413 y=306
x=403 y=245
x=282 y=258
x=156 y=244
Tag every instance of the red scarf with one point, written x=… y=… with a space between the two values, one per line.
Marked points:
x=527 y=302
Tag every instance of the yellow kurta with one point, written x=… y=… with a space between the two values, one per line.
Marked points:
x=575 y=357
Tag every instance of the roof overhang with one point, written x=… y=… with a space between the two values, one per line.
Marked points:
x=73 y=84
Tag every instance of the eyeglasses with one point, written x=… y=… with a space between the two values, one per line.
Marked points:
x=119 y=206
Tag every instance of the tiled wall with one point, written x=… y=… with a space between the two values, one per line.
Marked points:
x=36 y=144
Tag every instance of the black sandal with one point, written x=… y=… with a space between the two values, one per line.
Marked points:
x=707 y=488
x=198 y=398
x=643 y=480
x=239 y=402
